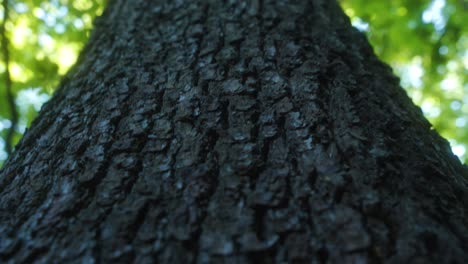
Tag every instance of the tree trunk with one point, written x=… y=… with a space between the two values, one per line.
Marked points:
x=230 y=131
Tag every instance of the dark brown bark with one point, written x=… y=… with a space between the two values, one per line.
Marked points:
x=231 y=131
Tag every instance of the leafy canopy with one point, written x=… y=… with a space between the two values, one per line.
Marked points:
x=44 y=40
x=426 y=44
x=425 y=41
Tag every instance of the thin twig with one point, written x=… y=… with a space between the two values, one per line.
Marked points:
x=8 y=84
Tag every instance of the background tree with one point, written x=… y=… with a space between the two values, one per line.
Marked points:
x=209 y=131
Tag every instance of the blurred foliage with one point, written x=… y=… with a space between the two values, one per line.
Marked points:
x=426 y=44
x=45 y=38
x=425 y=41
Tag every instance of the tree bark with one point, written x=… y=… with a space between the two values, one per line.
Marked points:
x=231 y=132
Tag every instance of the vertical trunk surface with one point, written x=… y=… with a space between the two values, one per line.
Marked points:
x=231 y=131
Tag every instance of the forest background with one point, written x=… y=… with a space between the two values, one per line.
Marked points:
x=425 y=42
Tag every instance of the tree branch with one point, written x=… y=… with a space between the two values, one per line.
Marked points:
x=8 y=84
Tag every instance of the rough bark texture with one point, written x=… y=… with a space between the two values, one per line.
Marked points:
x=231 y=132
